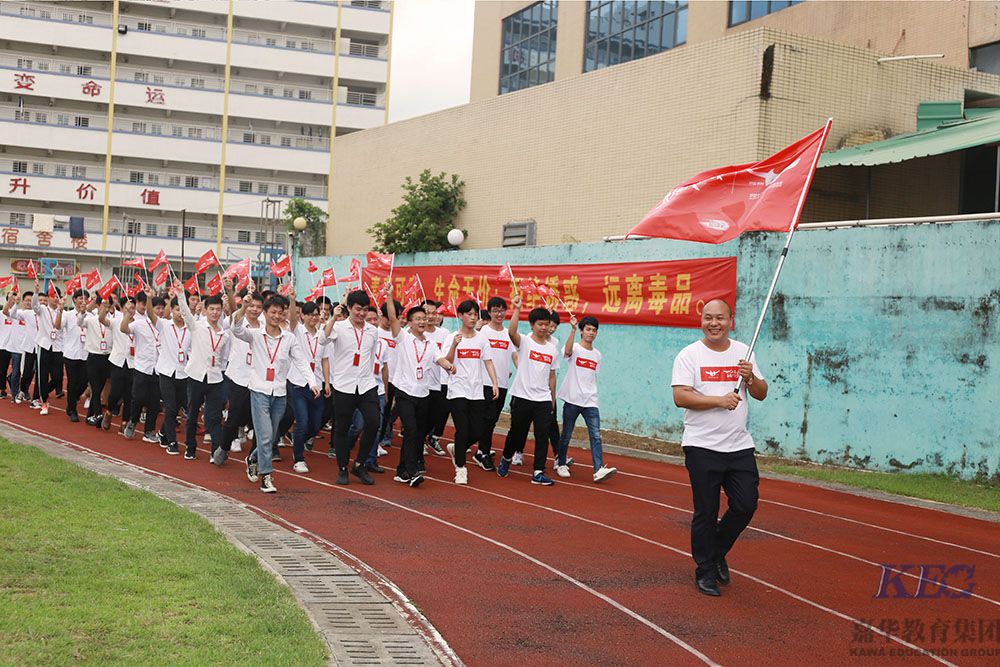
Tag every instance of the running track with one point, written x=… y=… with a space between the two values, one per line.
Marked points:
x=579 y=573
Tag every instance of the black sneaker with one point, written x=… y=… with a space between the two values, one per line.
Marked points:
x=92 y=421
x=435 y=446
x=485 y=461
x=375 y=468
x=74 y=417
x=266 y=485
x=275 y=456
x=362 y=474
x=416 y=480
x=190 y=453
x=252 y=467
x=172 y=449
x=163 y=440
x=342 y=477
x=402 y=478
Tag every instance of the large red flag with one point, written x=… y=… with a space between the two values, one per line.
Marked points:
x=161 y=276
x=329 y=278
x=316 y=293
x=206 y=261
x=282 y=267
x=720 y=204
x=159 y=260
x=73 y=284
x=6 y=281
x=136 y=263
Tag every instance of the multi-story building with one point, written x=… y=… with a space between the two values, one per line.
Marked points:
x=173 y=124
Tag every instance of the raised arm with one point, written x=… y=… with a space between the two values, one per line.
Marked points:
x=294 y=313
x=390 y=309
x=571 y=338
x=515 y=318
x=182 y=303
x=129 y=312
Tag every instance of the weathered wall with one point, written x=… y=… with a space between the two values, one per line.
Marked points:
x=882 y=346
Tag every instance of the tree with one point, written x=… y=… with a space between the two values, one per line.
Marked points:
x=422 y=222
x=313 y=240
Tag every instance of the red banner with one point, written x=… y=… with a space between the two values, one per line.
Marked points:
x=666 y=294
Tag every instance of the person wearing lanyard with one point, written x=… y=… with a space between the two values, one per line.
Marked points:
x=97 y=345
x=121 y=358
x=308 y=408
x=381 y=372
x=439 y=390
x=465 y=360
x=209 y=346
x=415 y=354
x=175 y=344
x=238 y=375
x=74 y=353
x=29 y=332
x=49 y=343
x=275 y=352
x=145 y=385
x=354 y=347
x=6 y=325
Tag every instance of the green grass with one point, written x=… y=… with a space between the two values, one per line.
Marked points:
x=940 y=488
x=92 y=571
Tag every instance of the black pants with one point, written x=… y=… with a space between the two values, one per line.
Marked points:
x=239 y=415
x=524 y=414
x=438 y=405
x=28 y=368
x=344 y=405
x=50 y=372
x=468 y=417
x=415 y=415
x=211 y=396
x=98 y=373
x=173 y=394
x=4 y=367
x=121 y=390
x=709 y=471
x=76 y=383
x=287 y=419
x=388 y=414
x=491 y=415
x=145 y=394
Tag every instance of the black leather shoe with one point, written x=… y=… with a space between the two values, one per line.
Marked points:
x=707 y=586
x=723 y=569
x=375 y=468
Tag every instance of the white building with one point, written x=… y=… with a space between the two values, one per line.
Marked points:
x=207 y=108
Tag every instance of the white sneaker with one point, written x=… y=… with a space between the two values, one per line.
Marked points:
x=451 y=451
x=44 y=410
x=461 y=475
x=36 y=404
x=562 y=471
x=86 y=404
x=300 y=467
x=285 y=442
x=518 y=459
x=266 y=485
x=382 y=451
x=207 y=438
x=604 y=473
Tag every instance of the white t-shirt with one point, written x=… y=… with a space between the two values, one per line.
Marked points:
x=713 y=373
x=534 y=362
x=5 y=327
x=470 y=370
x=501 y=353
x=380 y=354
x=438 y=336
x=122 y=345
x=579 y=386
x=388 y=347
x=414 y=359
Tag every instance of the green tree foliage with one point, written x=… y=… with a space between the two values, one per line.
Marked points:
x=422 y=222
x=313 y=239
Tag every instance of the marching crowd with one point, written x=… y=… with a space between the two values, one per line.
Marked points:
x=260 y=366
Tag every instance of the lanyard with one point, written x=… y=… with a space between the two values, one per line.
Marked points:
x=211 y=339
x=152 y=331
x=271 y=357
x=180 y=339
x=315 y=345
x=102 y=329
x=423 y=354
x=357 y=336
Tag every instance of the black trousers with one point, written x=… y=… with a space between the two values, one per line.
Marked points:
x=121 y=390
x=524 y=414
x=145 y=393
x=239 y=414
x=344 y=405
x=28 y=368
x=710 y=471
x=438 y=410
x=388 y=414
x=50 y=372
x=4 y=367
x=76 y=383
x=469 y=421
x=98 y=373
x=491 y=415
x=211 y=396
x=173 y=394
x=415 y=415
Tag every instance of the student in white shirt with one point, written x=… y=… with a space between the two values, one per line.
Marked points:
x=439 y=381
x=49 y=343
x=381 y=373
x=6 y=324
x=27 y=321
x=75 y=353
x=389 y=416
x=308 y=409
x=238 y=374
x=718 y=449
x=467 y=361
x=579 y=395
x=533 y=393
x=12 y=345
x=209 y=349
x=353 y=346
x=502 y=355
x=276 y=352
x=98 y=349
x=122 y=360
x=415 y=356
x=145 y=335
x=175 y=348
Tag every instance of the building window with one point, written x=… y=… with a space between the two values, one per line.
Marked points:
x=61 y=170
x=269 y=91
x=986 y=58
x=190 y=181
x=84 y=70
x=79 y=172
x=305 y=94
x=24 y=63
x=195 y=133
x=243 y=236
x=133 y=227
x=188 y=232
x=197 y=83
x=741 y=11
x=153 y=179
x=618 y=32
x=81 y=121
x=172 y=231
x=174 y=181
x=299 y=191
x=38 y=168
x=286 y=142
x=20 y=167
x=156 y=129
x=41 y=117
x=142 y=77
x=136 y=177
x=198 y=32
x=246 y=186
x=283 y=190
x=250 y=88
x=176 y=131
x=62 y=119
x=144 y=25
x=138 y=128
x=262 y=188
x=151 y=229
x=528 y=51
x=19 y=219
x=260 y=237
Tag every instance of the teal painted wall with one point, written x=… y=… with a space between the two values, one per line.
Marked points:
x=882 y=345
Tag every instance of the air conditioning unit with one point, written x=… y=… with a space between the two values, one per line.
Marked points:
x=518 y=233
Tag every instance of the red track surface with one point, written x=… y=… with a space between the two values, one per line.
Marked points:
x=579 y=573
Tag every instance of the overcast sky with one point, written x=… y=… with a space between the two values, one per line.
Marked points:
x=431 y=56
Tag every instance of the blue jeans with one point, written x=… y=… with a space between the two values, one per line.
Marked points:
x=592 y=417
x=267 y=411
x=15 y=373
x=358 y=425
x=308 y=412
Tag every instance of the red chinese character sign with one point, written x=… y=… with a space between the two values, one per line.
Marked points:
x=24 y=81
x=155 y=96
x=668 y=294
x=91 y=89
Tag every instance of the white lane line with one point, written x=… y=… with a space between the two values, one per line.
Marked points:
x=620 y=607
x=680 y=552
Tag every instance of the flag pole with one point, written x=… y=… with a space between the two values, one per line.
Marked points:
x=784 y=250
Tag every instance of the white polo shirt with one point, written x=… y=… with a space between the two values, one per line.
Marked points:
x=146 y=342
x=98 y=336
x=74 y=337
x=273 y=358
x=352 y=359
x=414 y=359
x=312 y=346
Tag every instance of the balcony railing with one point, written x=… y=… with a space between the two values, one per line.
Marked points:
x=66 y=13
x=283 y=41
x=42 y=63
x=362 y=50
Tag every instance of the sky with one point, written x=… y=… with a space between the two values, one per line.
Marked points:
x=431 y=56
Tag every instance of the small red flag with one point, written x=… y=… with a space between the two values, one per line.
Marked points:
x=316 y=292
x=137 y=263
x=506 y=274
x=32 y=273
x=73 y=284
x=238 y=270
x=720 y=204
x=52 y=290
x=528 y=286
x=355 y=274
x=191 y=285
x=378 y=260
x=413 y=291
x=282 y=267
x=141 y=284
x=161 y=276
x=286 y=288
x=159 y=260
x=92 y=279
x=109 y=287
x=448 y=310
x=329 y=278
x=214 y=286
x=312 y=267
x=6 y=281
x=206 y=261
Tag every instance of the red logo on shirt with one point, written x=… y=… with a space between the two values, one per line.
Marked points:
x=586 y=363
x=720 y=373
x=498 y=344
x=390 y=341
x=539 y=356
x=469 y=354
